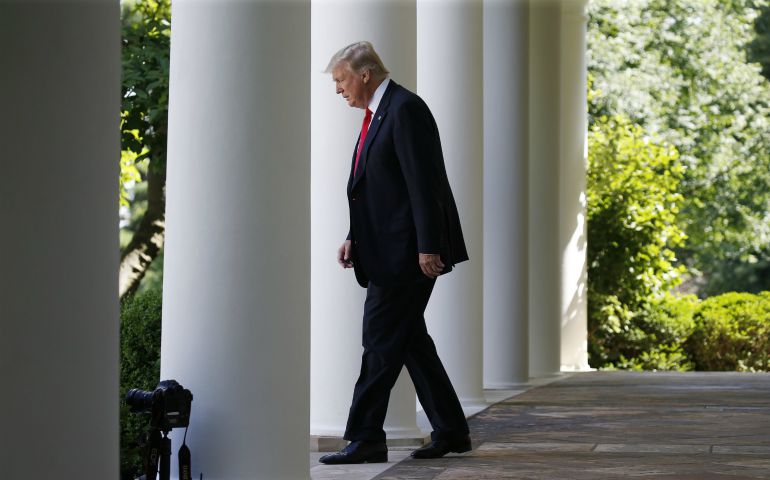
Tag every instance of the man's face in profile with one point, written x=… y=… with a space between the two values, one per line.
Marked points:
x=351 y=85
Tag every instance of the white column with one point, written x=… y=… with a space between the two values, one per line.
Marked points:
x=449 y=79
x=544 y=151
x=236 y=299
x=574 y=329
x=336 y=299
x=59 y=133
x=506 y=149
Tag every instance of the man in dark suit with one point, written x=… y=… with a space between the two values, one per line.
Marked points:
x=404 y=233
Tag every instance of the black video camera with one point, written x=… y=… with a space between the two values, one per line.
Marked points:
x=168 y=405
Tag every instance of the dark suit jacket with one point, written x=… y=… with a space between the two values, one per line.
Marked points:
x=400 y=200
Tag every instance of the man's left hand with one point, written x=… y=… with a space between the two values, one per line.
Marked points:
x=431 y=264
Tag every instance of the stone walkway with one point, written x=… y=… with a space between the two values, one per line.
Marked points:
x=617 y=425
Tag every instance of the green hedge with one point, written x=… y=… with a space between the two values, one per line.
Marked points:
x=731 y=333
x=649 y=338
x=140 y=322
x=728 y=332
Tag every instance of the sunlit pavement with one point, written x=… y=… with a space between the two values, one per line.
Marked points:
x=609 y=425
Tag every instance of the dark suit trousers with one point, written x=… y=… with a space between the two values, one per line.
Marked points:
x=394 y=336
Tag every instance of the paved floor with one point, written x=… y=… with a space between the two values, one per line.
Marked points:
x=614 y=425
x=397 y=454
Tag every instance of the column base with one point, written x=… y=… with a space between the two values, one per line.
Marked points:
x=325 y=443
x=474 y=403
x=474 y=407
x=506 y=385
x=577 y=368
x=545 y=375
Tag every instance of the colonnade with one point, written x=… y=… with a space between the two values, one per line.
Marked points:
x=259 y=321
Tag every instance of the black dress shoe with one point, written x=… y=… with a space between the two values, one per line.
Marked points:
x=358 y=452
x=439 y=448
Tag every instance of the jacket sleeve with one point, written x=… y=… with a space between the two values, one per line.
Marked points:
x=418 y=148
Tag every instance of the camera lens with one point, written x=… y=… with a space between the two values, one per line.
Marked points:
x=139 y=400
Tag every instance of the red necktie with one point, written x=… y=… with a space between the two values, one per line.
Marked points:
x=364 y=129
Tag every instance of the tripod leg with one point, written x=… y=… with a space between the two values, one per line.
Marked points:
x=165 y=457
x=153 y=452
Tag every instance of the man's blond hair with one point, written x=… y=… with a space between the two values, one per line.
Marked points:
x=359 y=56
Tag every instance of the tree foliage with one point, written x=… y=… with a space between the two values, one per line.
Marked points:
x=759 y=47
x=633 y=202
x=679 y=69
x=144 y=110
x=144 y=128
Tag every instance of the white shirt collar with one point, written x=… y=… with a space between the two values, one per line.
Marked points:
x=374 y=103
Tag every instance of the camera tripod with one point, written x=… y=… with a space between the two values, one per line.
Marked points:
x=169 y=408
x=158 y=457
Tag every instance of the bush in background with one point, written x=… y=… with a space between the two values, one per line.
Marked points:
x=632 y=232
x=732 y=333
x=651 y=338
x=657 y=334
x=140 y=324
x=728 y=332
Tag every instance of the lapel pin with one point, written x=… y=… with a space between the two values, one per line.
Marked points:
x=379 y=117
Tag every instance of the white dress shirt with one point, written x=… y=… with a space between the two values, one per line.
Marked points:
x=377 y=97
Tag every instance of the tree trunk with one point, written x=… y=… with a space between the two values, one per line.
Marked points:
x=148 y=239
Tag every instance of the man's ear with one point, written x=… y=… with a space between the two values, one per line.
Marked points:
x=366 y=76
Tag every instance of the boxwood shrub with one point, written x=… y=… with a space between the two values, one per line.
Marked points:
x=728 y=332
x=648 y=338
x=731 y=333
x=140 y=322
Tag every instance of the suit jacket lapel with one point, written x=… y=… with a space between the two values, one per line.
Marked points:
x=352 y=165
x=374 y=127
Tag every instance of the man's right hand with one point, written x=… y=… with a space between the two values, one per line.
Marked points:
x=343 y=255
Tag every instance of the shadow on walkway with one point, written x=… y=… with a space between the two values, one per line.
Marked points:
x=616 y=425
